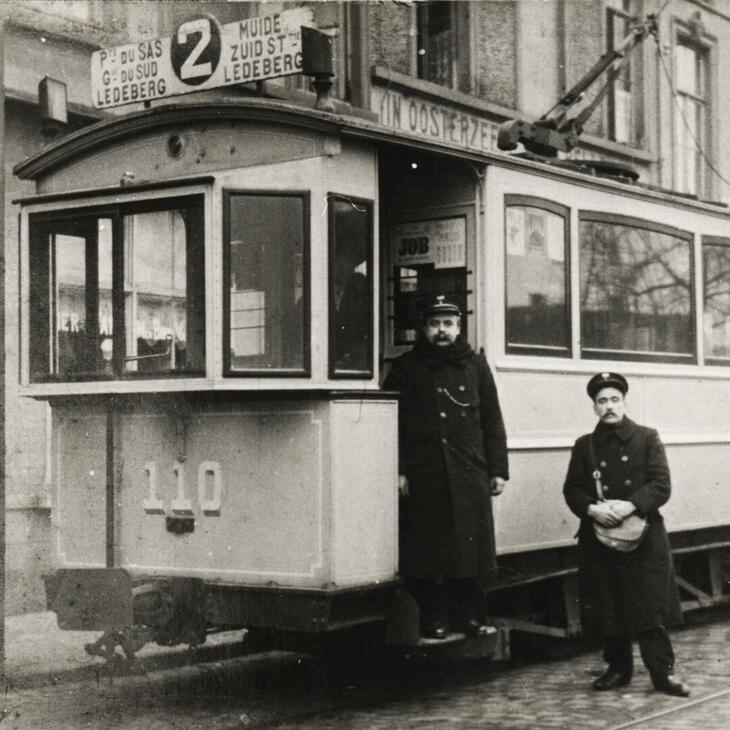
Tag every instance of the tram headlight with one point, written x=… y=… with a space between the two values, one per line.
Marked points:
x=175 y=145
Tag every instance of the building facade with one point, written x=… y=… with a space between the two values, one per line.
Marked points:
x=438 y=74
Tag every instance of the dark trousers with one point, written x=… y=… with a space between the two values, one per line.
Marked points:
x=656 y=653
x=448 y=601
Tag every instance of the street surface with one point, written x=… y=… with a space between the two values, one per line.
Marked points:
x=51 y=683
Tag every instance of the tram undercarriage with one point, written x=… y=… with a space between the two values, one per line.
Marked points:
x=173 y=611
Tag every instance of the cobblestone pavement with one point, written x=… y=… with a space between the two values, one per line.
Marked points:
x=558 y=694
x=51 y=683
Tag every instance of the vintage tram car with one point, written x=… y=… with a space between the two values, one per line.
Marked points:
x=210 y=295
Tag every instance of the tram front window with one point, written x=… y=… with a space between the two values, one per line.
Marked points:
x=266 y=299
x=118 y=292
x=351 y=288
x=155 y=291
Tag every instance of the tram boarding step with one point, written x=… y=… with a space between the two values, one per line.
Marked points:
x=455 y=646
x=455 y=636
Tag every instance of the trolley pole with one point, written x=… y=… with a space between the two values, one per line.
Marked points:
x=2 y=347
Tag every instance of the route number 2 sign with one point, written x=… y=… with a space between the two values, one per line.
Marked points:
x=201 y=54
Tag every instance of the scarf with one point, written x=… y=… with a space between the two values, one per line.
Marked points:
x=436 y=356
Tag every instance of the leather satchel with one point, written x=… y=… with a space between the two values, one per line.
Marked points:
x=624 y=537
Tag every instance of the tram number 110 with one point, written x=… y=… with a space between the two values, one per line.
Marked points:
x=210 y=490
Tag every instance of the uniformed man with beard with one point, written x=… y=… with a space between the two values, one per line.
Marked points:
x=624 y=595
x=452 y=460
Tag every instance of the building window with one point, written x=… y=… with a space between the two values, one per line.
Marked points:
x=635 y=290
x=351 y=287
x=118 y=292
x=690 y=116
x=267 y=297
x=442 y=43
x=537 y=298
x=716 y=316
x=623 y=94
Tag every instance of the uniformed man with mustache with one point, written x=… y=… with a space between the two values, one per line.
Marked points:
x=624 y=595
x=452 y=460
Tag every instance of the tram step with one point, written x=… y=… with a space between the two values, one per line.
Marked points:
x=455 y=646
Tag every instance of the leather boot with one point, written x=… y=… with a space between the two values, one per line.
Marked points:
x=611 y=679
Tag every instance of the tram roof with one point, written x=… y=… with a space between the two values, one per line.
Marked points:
x=114 y=129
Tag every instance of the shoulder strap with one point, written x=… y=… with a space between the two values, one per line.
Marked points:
x=596 y=472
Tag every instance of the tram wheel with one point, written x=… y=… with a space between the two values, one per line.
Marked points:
x=357 y=652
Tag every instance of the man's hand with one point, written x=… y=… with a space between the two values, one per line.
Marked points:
x=604 y=514
x=497 y=485
x=622 y=507
x=403 y=485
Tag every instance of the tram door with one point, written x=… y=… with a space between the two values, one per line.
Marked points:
x=428 y=222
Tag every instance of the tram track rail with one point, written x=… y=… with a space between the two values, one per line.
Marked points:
x=669 y=711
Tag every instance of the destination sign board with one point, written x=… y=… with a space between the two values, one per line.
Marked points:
x=200 y=55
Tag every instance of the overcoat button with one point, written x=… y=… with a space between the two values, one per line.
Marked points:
x=462 y=388
x=628 y=482
x=624 y=458
x=444 y=441
x=442 y=414
x=606 y=487
x=463 y=414
x=439 y=389
x=603 y=464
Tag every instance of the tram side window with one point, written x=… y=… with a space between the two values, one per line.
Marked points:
x=267 y=294
x=635 y=290
x=537 y=300
x=351 y=287
x=716 y=316
x=117 y=292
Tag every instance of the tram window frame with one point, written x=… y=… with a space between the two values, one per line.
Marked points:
x=305 y=371
x=40 y=226
x=712 y=242
x=335 y=372
x=511 y=348
x=593 y=353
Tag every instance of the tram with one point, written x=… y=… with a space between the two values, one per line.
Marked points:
x=210 y=296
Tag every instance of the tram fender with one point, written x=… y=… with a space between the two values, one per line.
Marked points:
x=90 y=599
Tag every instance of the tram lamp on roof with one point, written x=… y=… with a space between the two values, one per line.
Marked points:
x=53 y=106
x=318 y=61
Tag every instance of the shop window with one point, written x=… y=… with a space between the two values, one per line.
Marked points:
x=716 y=316
x=691 y=134
x=624 y=93
x=442 y=47
x=266 y=299
x=118 y=291
x=536 y=255
x=351 y=287
x=635 y=290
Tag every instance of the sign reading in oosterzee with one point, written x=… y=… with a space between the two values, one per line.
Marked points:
x=201 y=55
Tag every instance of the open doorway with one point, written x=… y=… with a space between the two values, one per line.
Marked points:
x=428 y=233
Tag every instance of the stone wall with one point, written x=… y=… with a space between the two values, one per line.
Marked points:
x=495 y=48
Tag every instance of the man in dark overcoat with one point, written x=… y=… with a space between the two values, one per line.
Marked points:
x=624 y=595
x=452 y=459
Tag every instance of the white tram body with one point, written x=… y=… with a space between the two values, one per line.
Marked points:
x=179 y=306
x=545 y=400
